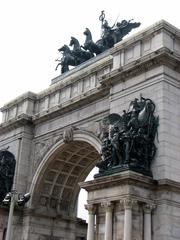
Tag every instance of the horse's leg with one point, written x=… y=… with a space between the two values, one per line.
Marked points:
x=64 y=68
x=57 y=66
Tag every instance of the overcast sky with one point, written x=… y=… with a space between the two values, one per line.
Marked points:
x=33 y=30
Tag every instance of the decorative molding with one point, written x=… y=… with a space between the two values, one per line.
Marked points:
x=128 y=177
x=162 y=56
x=108 y=206
x=71 y=104
x=148 y=207
x=46 y=158
x=128 y=203
x=91 y=208
x=42 y=147
x=14 y=123
x=68 y=134
x=26 y=96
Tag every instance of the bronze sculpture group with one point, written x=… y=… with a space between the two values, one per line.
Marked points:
x=128 y=140
x=109 y=37
x=7 y=169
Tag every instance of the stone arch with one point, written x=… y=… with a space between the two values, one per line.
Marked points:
x=55 y=186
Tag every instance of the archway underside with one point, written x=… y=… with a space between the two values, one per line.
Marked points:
x=58 y=188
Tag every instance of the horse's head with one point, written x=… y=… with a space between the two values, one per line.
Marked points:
x=87 y=32
x=73 y=41
x=64 y=48
x=88 y=35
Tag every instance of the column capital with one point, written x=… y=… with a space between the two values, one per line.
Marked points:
x=108 y=206
x=91 y=208
x=128 y=203
x=148 y=207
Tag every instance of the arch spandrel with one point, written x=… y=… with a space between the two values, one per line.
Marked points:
x=55 y=184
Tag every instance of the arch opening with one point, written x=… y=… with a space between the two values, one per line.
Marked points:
x=57 y=190
x=82 y=213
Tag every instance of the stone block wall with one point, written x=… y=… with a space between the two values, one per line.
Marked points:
x=164 y=90
x=44 y=228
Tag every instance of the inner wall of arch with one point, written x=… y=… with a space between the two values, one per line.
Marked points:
x=58 y=188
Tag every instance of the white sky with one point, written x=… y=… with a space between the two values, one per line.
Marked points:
x=31 y=31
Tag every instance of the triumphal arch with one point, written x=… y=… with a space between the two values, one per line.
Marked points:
x=118 y=111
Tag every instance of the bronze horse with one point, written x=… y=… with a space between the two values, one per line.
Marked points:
x=94 y=48
x=111 y=36
x=72 y=57
x=78 y=51
x=67 y=59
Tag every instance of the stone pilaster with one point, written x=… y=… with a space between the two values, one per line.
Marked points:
x=90 y=232
x=108 y=222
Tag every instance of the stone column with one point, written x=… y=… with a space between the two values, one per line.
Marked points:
x=90 y=231
x=128 y=204
x=147 y=220
x=108 y=220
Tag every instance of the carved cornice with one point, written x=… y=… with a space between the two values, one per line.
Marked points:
x=161 y=190
x=21 y=120
x=119 y=179
x=168 y=185
x=71 y=105
x=162 y=56
x=26 y=96
x=168 y=202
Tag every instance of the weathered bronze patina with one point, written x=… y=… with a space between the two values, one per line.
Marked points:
x=109 y=37
x=7 y=169
x=128 y=140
